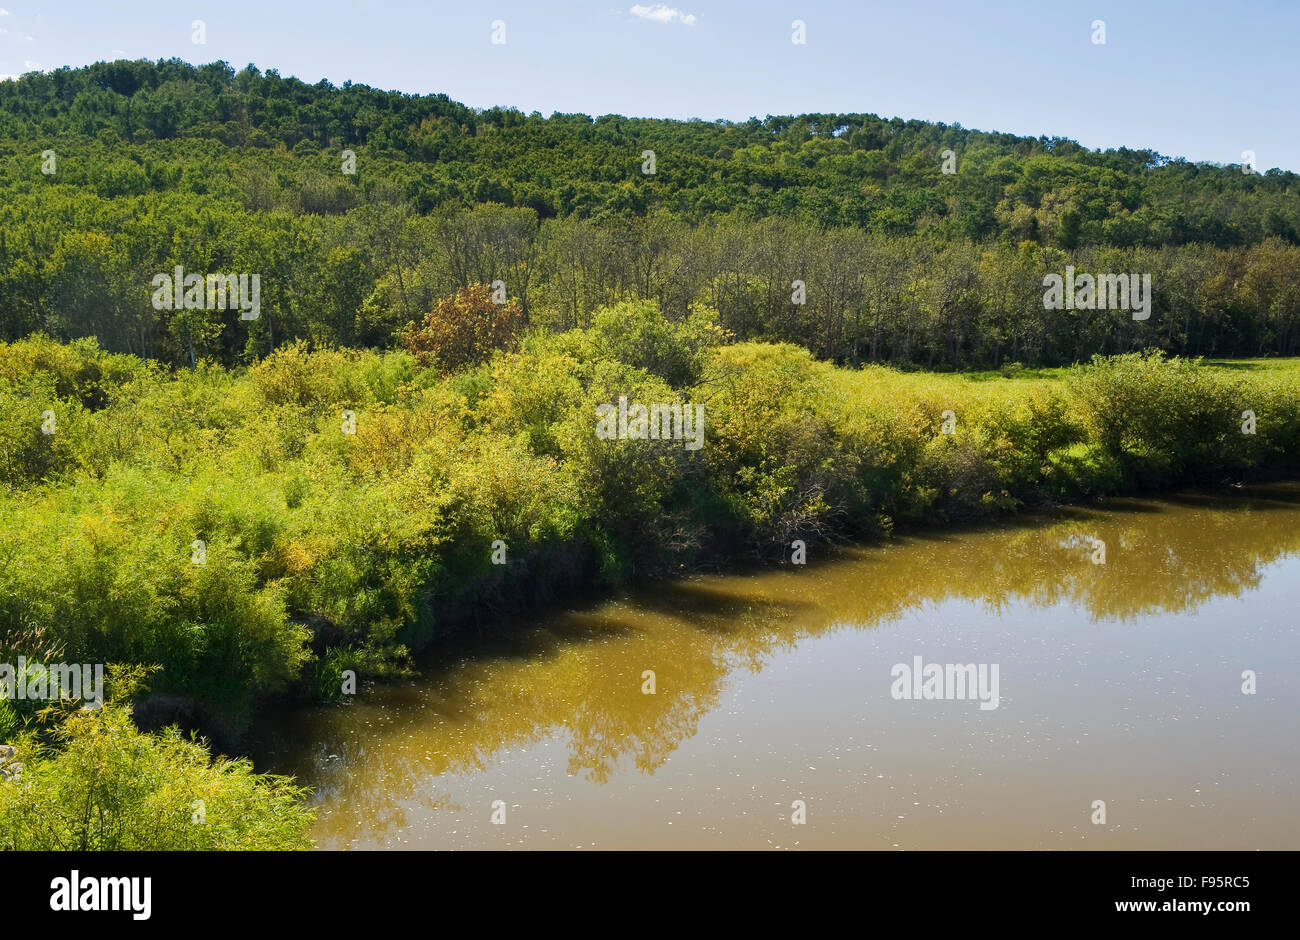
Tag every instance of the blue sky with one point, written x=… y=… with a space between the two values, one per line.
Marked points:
x=1195 y=79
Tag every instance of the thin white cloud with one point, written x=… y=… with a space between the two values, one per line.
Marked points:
x=662 y=13
x=3 y=12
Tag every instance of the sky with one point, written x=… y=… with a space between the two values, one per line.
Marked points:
x=1200 y=80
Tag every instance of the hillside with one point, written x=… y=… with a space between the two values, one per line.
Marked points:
x=120 y=171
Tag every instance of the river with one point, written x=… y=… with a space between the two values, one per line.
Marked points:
x=1121 y=689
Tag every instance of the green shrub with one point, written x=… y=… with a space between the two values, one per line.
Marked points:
x=1163 y=420
x=316 y=540
x=105 y=786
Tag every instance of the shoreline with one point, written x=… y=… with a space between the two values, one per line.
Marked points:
x=482 y=633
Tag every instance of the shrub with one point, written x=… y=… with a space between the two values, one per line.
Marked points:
x=464 y=329
x=638 y=334
x=368 y=542
x=106 y=786
x=1163 y=419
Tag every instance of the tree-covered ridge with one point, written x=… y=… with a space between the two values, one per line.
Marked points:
x=837 y=169
x=115 y=174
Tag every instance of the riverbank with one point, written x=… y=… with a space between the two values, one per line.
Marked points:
x=1120 y=681
x=260 y=532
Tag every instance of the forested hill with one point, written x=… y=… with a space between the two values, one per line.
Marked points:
x=837 y=169
x=357 y=209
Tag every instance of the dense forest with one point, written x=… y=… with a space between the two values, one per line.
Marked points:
x=118 y=172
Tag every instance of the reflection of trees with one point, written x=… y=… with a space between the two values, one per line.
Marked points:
x=581 y=670
x=350 y=771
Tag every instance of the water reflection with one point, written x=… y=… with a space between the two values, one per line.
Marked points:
x=386 y=766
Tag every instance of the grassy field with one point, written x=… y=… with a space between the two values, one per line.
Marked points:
x=1019 y=373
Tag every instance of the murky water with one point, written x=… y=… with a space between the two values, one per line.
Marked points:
x=1119 y=682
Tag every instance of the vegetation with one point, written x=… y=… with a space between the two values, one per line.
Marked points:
x=403 y=437
x=164 y=165
x=464 y=329
x=326 y=551
x=99 y=784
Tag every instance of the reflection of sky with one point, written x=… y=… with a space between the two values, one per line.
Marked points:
x=1119 y=682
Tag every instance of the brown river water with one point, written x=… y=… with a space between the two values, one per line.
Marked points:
x=1119 y=680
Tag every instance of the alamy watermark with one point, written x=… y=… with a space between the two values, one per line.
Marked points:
x=38 y=682
x=213 y=292
x=675 y=422
x=949 y=681
x=75 y=893
x=1102 y=292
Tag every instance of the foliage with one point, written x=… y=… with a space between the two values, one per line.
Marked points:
x=165 y=164
x=465 y=329
x=323 y=548
x=99 y=784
